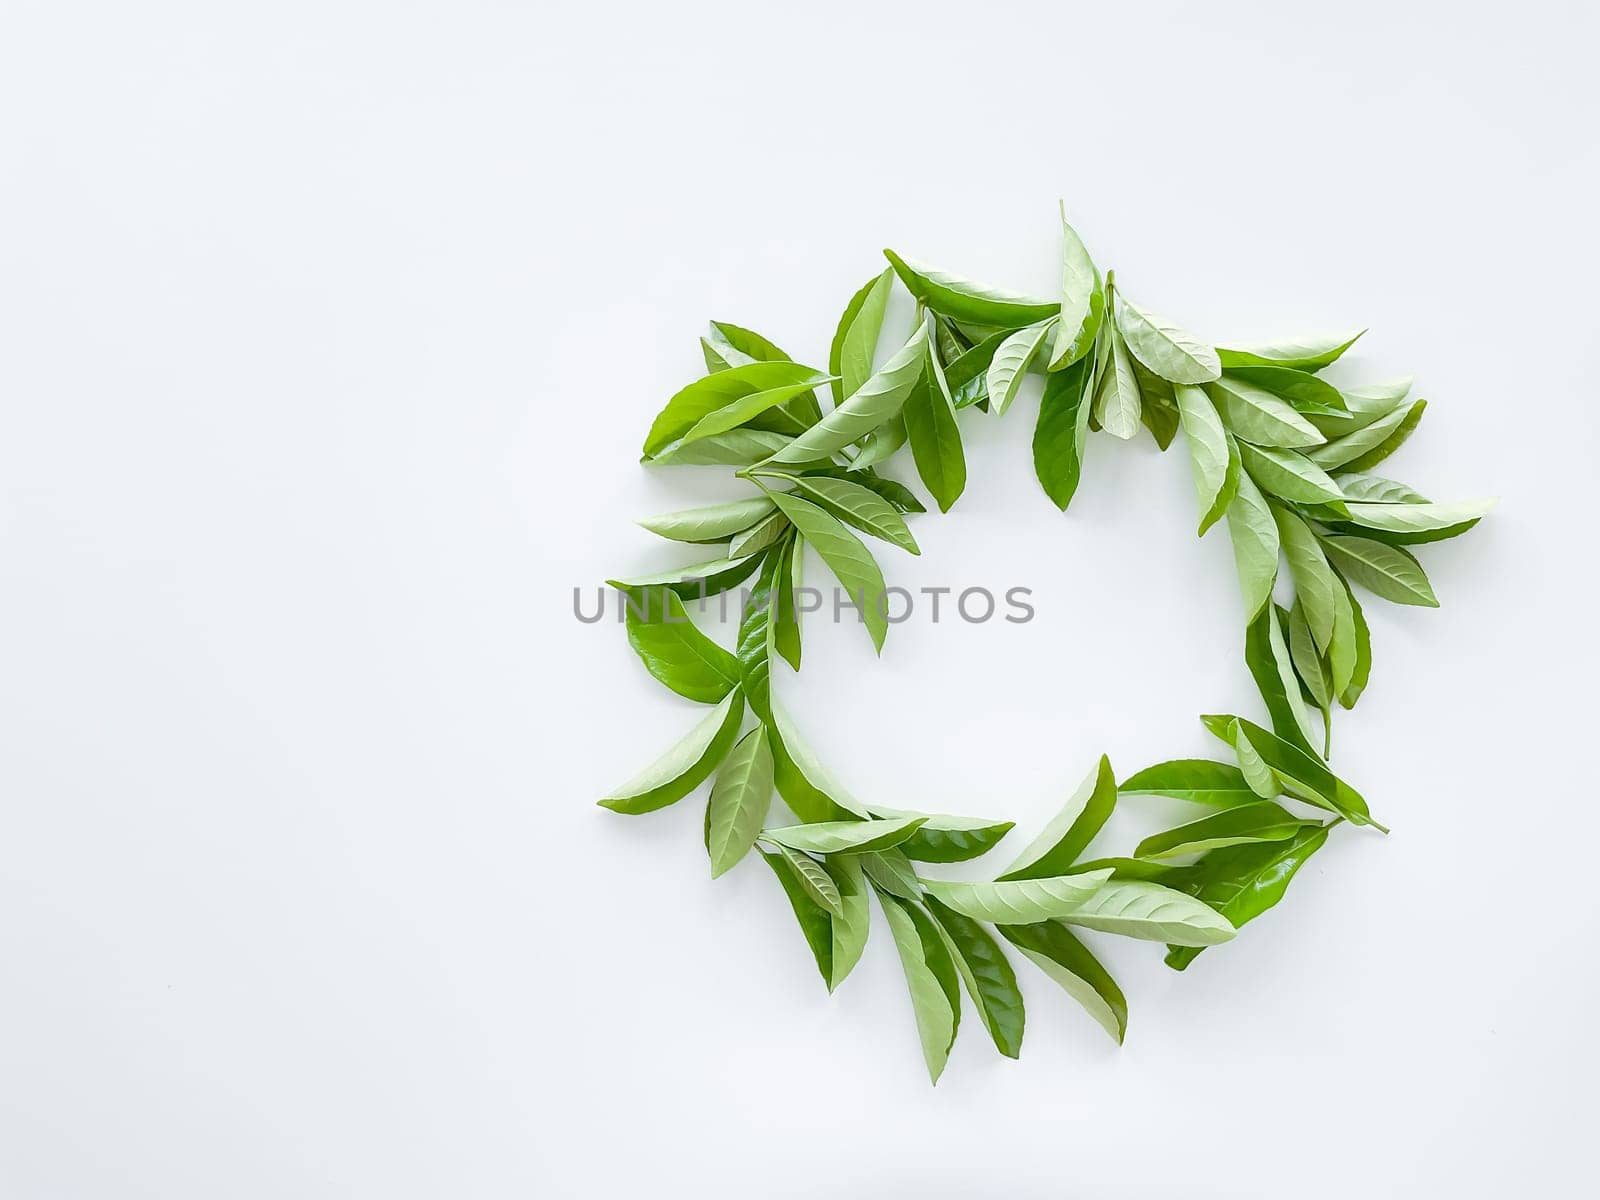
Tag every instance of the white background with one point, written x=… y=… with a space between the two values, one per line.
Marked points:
x=330 y=332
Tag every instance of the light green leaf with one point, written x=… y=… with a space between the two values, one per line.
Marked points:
x=853 y=504
x=1052 y=948
x=1303 y=775
x=683 y=768
x=1313 y=578
x=1397 y=437
x=1310 y=396
x=1267 y=655
x=931 y=976
x=1308 y=659
x=1117 y=402
x=1137 y=909
x=873 y=403
x=1264 y=822
x=706 y=396
x=1351 y=692
x=1017 y=901
x=930 y=417
x=1010 y=363
x=1209 y=453
x=853 y=922
x=1387 y=571
x=804 y=783
x=1411 y=519
x=1083 y=300
x=1197 y=779
x=745 y=410
x=759 y=537
x=990 y=981
x=856 y=343
x=1257 y=416
x=673 y=649
x=697 y=580
x=739 y=800
x=948 y=839
x=736 y=448
x=963 y=300
x=818 y=883
x=1345 y=652
x=814 y=920
x=1289 y=474
x=1374 y=489
x=892 y=871
x=844 y=837
x=851 y=562
x=713 y=523
x=1305 y=354
x=1255 y=545
x=1255 y=771
x=1070 y=831
x=1167 y=350
x=1353 y=446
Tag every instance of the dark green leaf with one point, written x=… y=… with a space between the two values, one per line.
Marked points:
x=991 y=983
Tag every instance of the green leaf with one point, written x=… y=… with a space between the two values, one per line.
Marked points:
x=1052 y=948
x=1344 y=652
x=1070 y=831
x=844 y=837
x=1167 y=350
x=695 y=581
x=747 y=409
x=804 y=783
x=1017 y=901
x=818 y=883
x=1197 y=779
x=1209 y=454
x=1289 y=474
x=1242 y=882
x=754 y=649
x=786 y=621
x=673 y=649
x=1384 y=570
x=854 y=919
x=990 y=981
x=931 y=976
x=1257 y=416
x=759 y=537
x=1374 y=489
x=739 y=800
x=1302 y=774
x=1117 y=403
x=1010 y=363
x=897 y=494
x=1266 y=653
x=814 y=920
x=1137 y=909
x=855 y=505
x=856 y=343
x=1063 y=428
x=1305 y=354
x=946 y=839
x=930 y=417
x=1158 y=407
x=1255 y=545
x=736 y=448
x=851 y=562
x=873 y=403
x=892 y=871
x=968 y=375
x=1375 y=438
x=1362 y=637
x=683 y=768
x=706 y=396
x=1083 y=300
x=713 y=523
x=1308 y=659
x=1415 y=521
x=1314 y=582
x=1309 y=395
x=1257 y=774
x=1264 y=822
x=963 y=300
x=747 y=342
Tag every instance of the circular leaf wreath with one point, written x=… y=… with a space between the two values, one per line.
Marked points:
x=1277 y=451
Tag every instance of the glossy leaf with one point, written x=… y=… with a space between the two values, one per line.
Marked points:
x=1059 y=844
x=1165 y=349
x=1010 y=364
x=1149 y=911
x=713 y=523
x=806 y=786
x=852 y=923
x=1303 y=774
x=1308 y=659
x=1254 y=532
x=855 y=345
x=1263 y=822
x=1344 y=653
x=1289 y=474
x=1266 y=653
x=1051 y=947
x=876 y=401
x=683 y=768
x=1083 y=300
x=897 y=494
x=854 y=505
x=1304 y=354
x=1384 y=570
x=673 y=649
x=1062 y=430
x=748 y=409
x=706 y=396
x=845 y=837
x=786 y=619
x=967 y=376
x=815 y=921
x=930 y=976
x=695 y=581
x=892 y=871
x=1242 y=882
x=1017 y=901
x=739 y=800
x=930 y=417
x=1349 y=694
x=989 y=979
x=851 y=562
x=967 y=301
x=1198 y=779
x=754 y=647
x=1310 y=396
